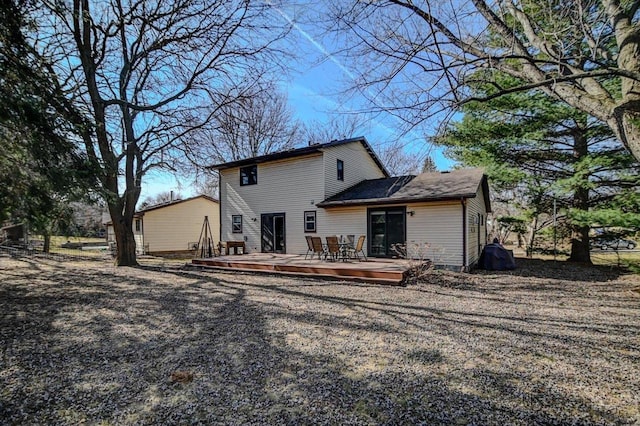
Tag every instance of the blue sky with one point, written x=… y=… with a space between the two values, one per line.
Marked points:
x=313 y=90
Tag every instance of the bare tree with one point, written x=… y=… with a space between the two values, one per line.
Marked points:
x=428 y=165
x=417 y=58
x=208 y=183
x=148 y=73
x=339 y=126
x=397 y=160
x=258 y=121
x=393 y=154
x=163 y=197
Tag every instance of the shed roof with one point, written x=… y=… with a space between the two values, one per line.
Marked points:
x=432 y=186
x=299 y=152
x=174 y=202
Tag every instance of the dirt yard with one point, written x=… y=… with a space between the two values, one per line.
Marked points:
x=85 y=342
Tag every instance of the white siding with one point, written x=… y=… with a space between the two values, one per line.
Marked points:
x=358 y=166
x=476 y=227
x=435 y=232
x=139 y=236
x=343 y=221
x=173 y=227
x=293 y=186
x=290 y=186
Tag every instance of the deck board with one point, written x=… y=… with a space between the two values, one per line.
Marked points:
x=381 y=271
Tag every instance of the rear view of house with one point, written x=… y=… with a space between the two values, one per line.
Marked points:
x=341 y=188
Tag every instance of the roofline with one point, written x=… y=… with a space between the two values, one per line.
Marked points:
x=4 y=228
x=136 y=215
x=485 y=192
x=174 y=202
x=386 y=201
x=299 y=152
x=484 y=184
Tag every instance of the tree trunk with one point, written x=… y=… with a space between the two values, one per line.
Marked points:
x=580 y=245
x=580 y=233
x=125 y=240
x=46 y=245
x=626 y=128
x=121 y=209
x=626 y=114
x=532 y=236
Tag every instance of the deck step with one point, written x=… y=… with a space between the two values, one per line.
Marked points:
x=392 y=277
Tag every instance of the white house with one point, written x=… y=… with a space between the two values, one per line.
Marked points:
x=341 y=188
x=174 y=227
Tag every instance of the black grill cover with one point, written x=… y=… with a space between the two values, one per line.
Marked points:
x=496 y=258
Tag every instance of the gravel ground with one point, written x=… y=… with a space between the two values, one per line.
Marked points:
x=84 y=342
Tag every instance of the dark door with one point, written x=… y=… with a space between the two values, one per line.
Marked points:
x=273 y=233
x=387 y=229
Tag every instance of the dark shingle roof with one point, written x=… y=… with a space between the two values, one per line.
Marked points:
x=298 y=152
x=436 y=186
x=373 y=189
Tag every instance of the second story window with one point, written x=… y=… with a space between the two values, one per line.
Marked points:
x=249 y=175
x=340 y=170
x=138 y=225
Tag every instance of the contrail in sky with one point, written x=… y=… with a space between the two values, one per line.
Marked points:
x=317 y=45
x=349 y=74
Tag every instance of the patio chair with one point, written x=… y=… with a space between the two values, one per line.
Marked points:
x=317 y=247
x=351 y=241
x=359 y=248
x=333 y=247
x=309 y=246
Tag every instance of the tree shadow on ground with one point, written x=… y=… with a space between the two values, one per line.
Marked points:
x=98 y=346
x=558 y=270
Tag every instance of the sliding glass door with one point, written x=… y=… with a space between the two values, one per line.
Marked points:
x=273 y=233
x=387 y=229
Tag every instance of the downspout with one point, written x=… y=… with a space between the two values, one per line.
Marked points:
x=464 y=233
x=220 y=206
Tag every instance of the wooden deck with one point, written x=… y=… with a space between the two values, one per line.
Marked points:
x=382 y=271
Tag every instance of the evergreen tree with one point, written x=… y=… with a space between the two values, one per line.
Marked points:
x=40 y=165
x=548 y=150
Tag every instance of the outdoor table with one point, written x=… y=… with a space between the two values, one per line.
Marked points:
x=344 y=250
x=235 y=245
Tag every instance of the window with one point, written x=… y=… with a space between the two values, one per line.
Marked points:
x=138 y=226
x=236 y=224
x=249 y=175
x=310 y=221
x=340 y=170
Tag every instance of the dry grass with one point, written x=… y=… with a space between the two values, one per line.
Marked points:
x=85 y=342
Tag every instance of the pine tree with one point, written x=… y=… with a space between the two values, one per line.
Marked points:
x=547 y=150
x=40 y=165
